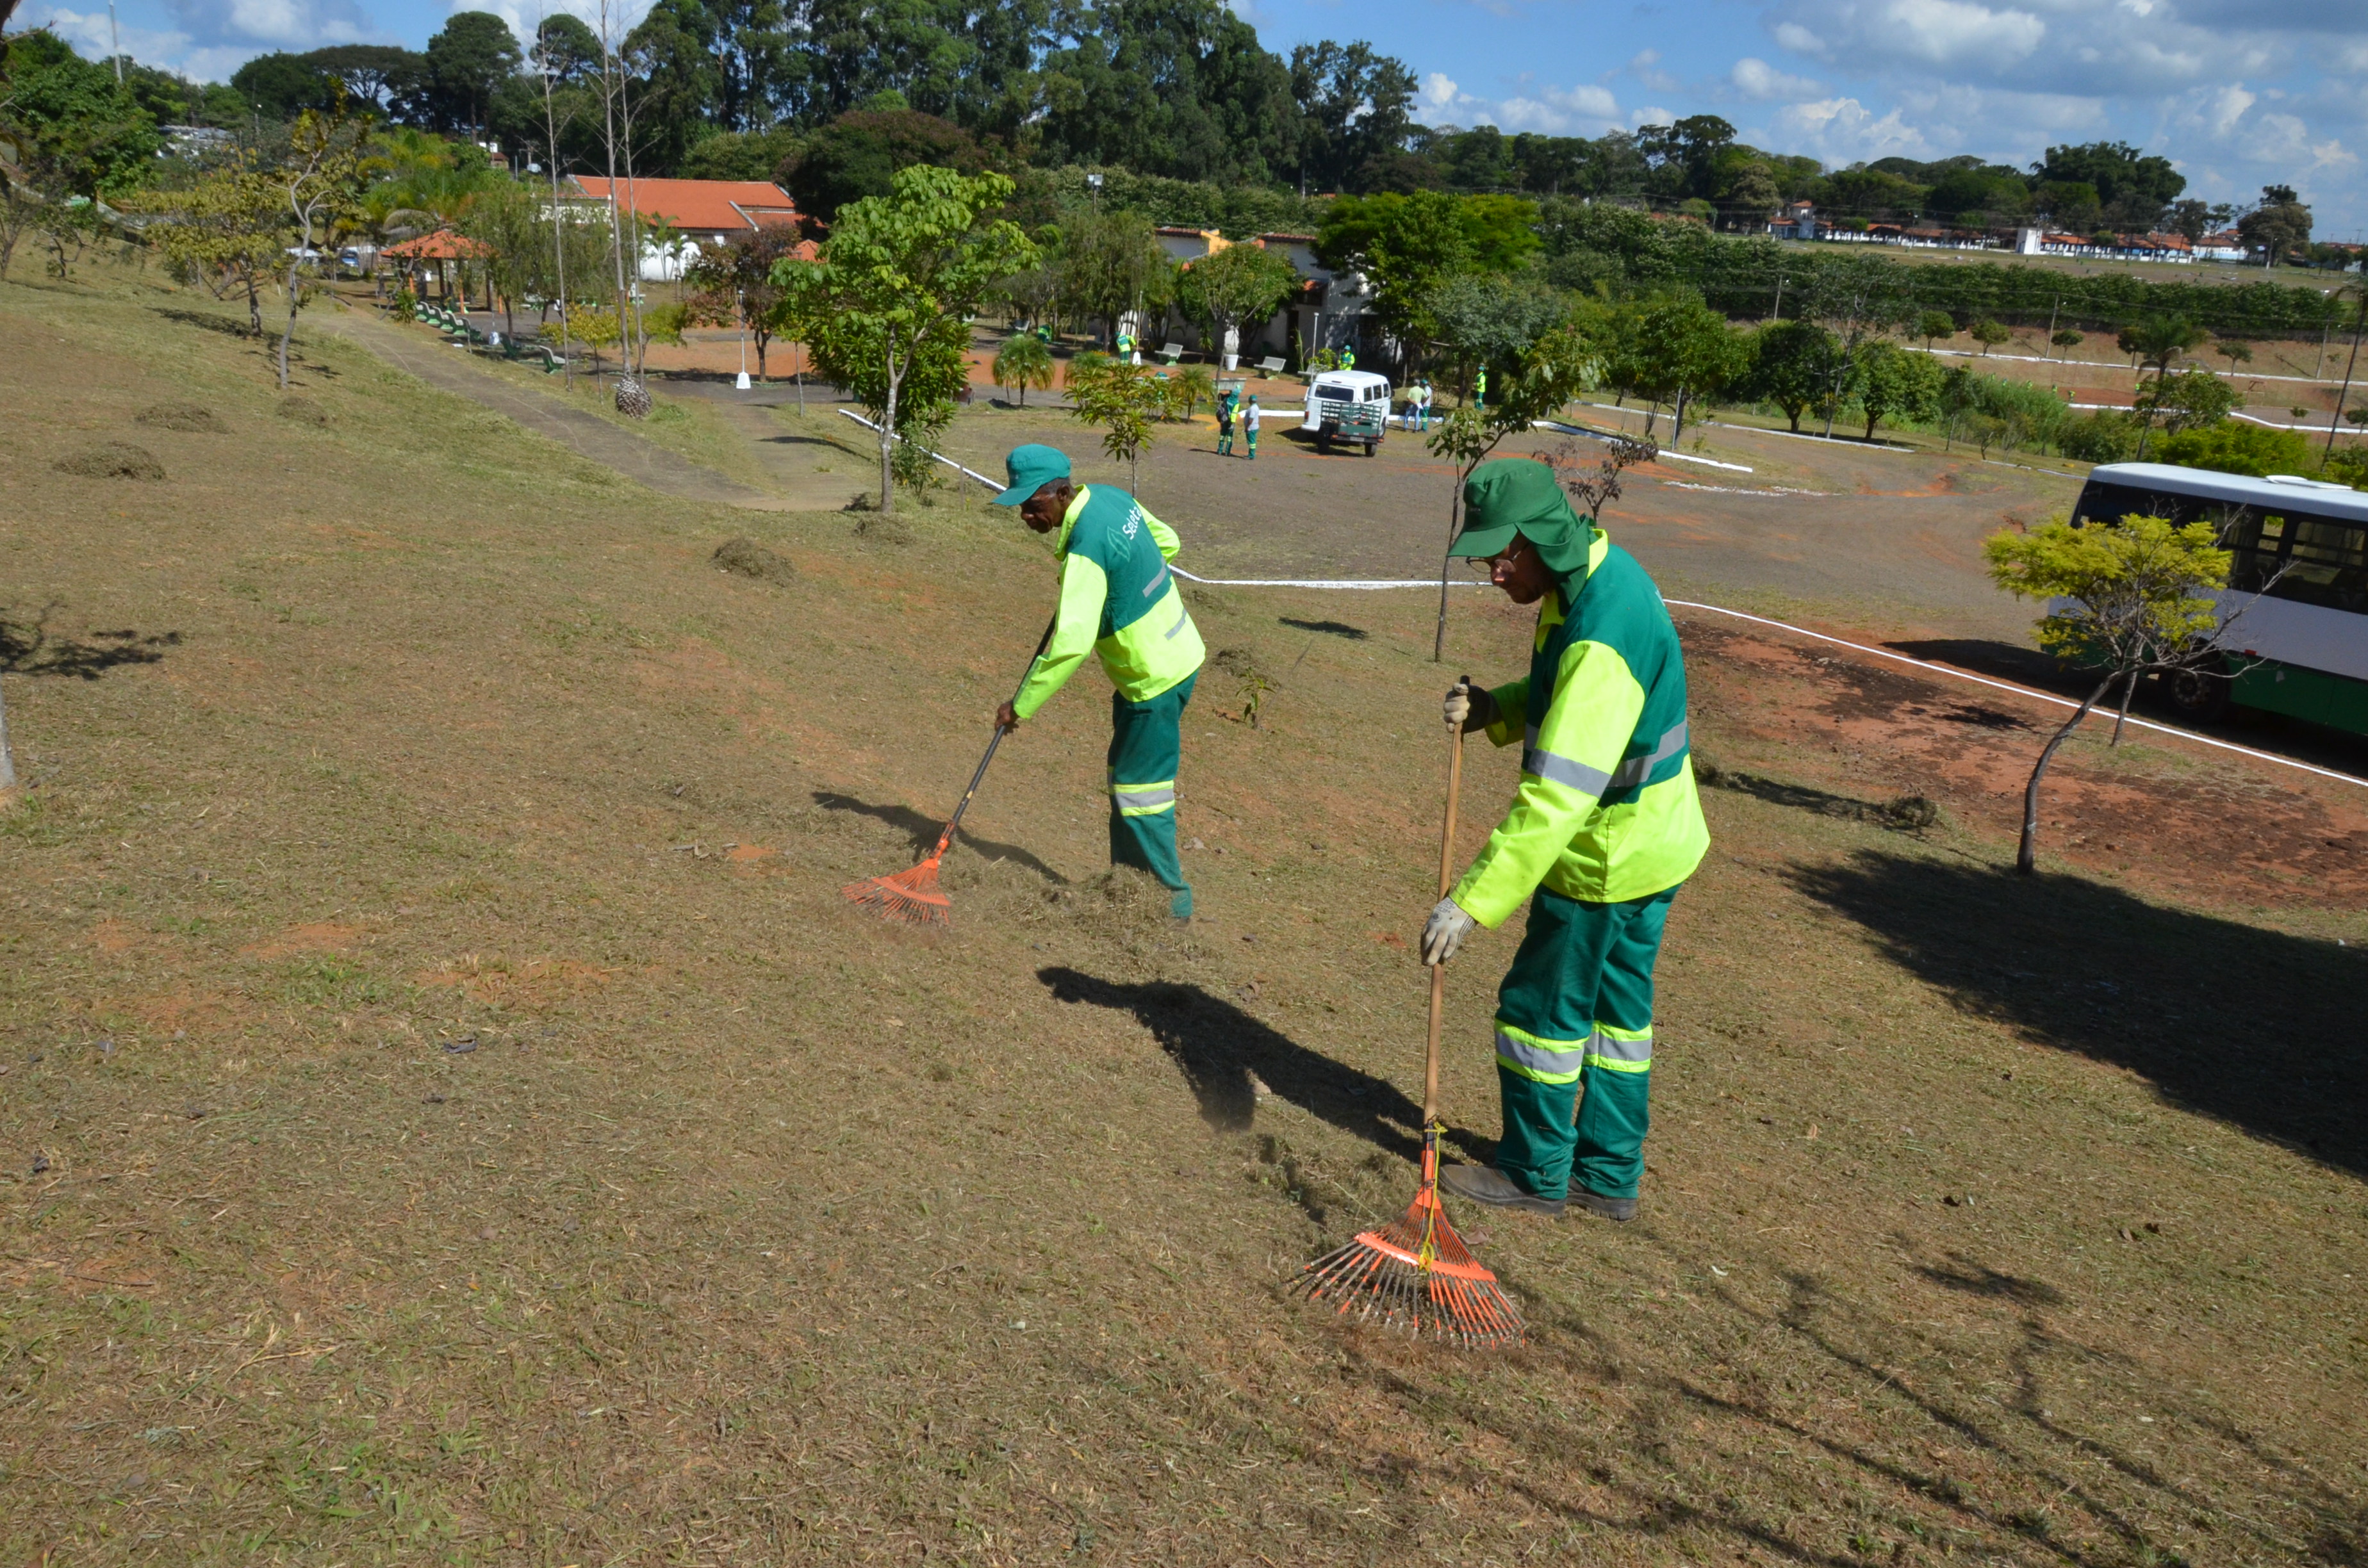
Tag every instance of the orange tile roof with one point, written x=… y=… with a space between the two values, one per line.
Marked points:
x=699 y=205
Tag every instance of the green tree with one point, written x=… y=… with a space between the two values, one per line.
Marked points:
x=2065 y=338
x=226 y=230
x=2230 y=448
x=1121 y=400
x=1112 y=266
x=1792 y=366
x=1933 y=325
x=2131 y=187
x=1181 y=89
x=2191 y=400
x=2127 y=599
x=2158 y=341
x=2234 y=351
x=1406 y=245
x=1855 y=296
x=473 y=55
x=1024 y=362
x=1355 y=105
x=733 y=283
x=858 y=154
x=2279 y=227
x=279 y=87
x=1240 y=286
x=1989 y=334
x=320 y=179
x=1685 y=351
x=1492 y=321
x=1557 y=368
x=1896 y=385
x=76 y=133
x=896 y=283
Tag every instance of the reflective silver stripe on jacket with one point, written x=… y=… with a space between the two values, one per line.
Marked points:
x=1522 y=1053
x=1636 y=769
x=1142 y=800
x=1594 y=782
x=1157 y=583
x=1182 y=614
x=1566 y=771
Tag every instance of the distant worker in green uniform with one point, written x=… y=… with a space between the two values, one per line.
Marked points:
x=1480 y=388
x=1604 y=826
x=1226 y=422
x=1119 y=600
x=1250 y=425
x=1347 y=359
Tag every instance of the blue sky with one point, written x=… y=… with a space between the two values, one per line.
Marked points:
x=2238 y=92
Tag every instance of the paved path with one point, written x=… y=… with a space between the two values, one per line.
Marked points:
x=586 y=435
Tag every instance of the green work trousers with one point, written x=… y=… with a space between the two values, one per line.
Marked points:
x=1574 y=1024
x=1226 y=439
x=1147 y=745
x=1251 y=433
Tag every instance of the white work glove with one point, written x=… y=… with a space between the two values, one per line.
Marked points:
x=1444 y=931
x=1469 y=707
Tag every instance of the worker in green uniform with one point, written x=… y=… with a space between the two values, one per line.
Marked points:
x=1250 y=418
x=1225 y=423
x=1604 y=826
x=1119 y=600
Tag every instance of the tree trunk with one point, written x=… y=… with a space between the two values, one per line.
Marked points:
x=292 y=324
x=1678 y=419
x=2129 y=691
x=2026 y=855
x=254 y=305
x=7 y=760
x=887 y=441
x=1446 y=565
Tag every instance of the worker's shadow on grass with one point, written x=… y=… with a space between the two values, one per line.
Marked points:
x=924 y=830
x=31 y=648
x=1329 y=627
x=1904 y=813
x=2256 y=1028
x=1219 y=1046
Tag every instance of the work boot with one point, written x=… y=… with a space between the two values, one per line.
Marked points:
x=1486 y=1184
x=1621 y=1209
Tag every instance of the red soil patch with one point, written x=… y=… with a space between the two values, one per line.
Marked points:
x=740 y=854
x=535 y=981
x=2170 y=817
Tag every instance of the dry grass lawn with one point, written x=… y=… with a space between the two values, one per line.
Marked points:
x=450 y=1115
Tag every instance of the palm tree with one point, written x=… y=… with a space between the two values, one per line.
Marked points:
x=1022 y=362
x=2158 y=341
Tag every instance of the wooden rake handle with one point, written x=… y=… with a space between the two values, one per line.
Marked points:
x=1446 y=883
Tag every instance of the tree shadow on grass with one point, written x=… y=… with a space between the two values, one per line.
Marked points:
x=227 y=325
x=1329 y=628
x=924 y=830
x=2252 y=1026
x=31 y=648
x=1218 y=1046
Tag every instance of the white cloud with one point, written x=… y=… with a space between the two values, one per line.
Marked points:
x=1758 y=80
x=1583 y=110
x=1844 y=131
x=1801 y=40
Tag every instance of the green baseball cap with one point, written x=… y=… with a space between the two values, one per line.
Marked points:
x=1510 y=497
x=1032 y=468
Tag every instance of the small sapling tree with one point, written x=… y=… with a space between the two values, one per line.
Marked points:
x=2126 y=600
x=1024 y=362
x=896 y=285
x=1121 y=400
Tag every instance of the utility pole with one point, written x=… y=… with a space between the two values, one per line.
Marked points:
x=2359 y=320
x=114 y=37
x=2053 y=311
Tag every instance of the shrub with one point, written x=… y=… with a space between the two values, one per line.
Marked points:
x=2105 y=437
x=2253 y=450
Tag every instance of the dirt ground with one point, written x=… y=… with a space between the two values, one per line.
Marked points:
x=449 y=1114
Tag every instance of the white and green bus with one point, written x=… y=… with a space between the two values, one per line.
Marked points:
x=2296 y=603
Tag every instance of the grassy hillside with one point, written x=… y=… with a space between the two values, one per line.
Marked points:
x=450 y=1115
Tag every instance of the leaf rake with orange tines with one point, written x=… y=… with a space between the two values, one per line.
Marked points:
x=913 y=896
x=1415 y=1273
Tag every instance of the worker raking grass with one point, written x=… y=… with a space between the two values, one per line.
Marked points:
x=1603 y=827
x=1119 y=601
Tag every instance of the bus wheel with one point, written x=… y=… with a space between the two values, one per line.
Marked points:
x=2198 y=697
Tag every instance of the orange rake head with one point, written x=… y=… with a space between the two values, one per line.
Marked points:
x=1416 y=1274
x=910 y=896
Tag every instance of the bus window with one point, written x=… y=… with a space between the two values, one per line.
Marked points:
x=2108 y=504
x=2327 y=563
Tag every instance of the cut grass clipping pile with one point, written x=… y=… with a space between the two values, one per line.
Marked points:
x=449 y=1114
